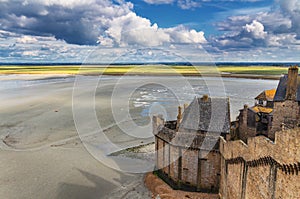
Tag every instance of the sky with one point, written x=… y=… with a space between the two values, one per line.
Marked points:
x=107 y=31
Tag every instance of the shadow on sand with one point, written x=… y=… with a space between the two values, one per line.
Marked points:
x=101 y=188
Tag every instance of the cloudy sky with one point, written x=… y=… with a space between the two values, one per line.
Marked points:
x=149 y=30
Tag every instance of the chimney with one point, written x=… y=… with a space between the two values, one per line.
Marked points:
x=245 y=115
x=185 y=106
x=179 y=117
x=205 y=98
x=291 y=87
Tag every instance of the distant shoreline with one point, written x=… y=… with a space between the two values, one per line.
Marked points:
x=241 y=76
x=249 y=72
x=245 y=64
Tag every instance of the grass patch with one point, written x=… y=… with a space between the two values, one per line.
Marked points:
x=255 y=70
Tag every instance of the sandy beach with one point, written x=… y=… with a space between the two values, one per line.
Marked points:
x=40 y=150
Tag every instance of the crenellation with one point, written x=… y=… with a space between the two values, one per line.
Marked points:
x=261 y=170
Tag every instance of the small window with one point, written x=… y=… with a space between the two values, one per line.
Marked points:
x=265 y=103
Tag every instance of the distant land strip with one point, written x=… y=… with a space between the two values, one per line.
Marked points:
x=253 y=71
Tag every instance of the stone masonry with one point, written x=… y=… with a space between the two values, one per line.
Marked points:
x=262 y=168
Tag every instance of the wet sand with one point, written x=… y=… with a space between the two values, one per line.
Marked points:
x=42 y=155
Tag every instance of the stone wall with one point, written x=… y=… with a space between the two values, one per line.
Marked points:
x=286 y=113
x=262 y=168
x=210 y=171
x=190 y=167
x=159 y=154
x=244 y=129
x=174 y=156
x=157 y=123
x=259 y=182
x=186 y=168
x=287 y=186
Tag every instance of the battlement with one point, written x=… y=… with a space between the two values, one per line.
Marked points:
x=261 y=168
x=285 y=148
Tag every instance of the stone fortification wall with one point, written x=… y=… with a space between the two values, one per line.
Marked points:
x=285 y=113
x=262 y=168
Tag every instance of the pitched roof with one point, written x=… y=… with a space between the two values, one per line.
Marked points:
x=260 y=109
x=267 y=95
x=281 y=89
x=210 y=115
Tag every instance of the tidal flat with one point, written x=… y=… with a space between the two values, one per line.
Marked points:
x=44 y=156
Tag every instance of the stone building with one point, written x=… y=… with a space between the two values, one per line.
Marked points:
x=256 y=120
x=286 y=114
x=265 y=98
x=256 y=156
x=272 y=111
x=188 y=154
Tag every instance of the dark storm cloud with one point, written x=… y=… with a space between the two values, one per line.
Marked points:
x=74 y=23
x=34 y=19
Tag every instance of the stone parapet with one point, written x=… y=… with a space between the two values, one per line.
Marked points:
x=261 y=168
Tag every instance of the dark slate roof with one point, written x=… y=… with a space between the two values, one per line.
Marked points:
x=189 y=140
x=281 y=89
x=212 y=115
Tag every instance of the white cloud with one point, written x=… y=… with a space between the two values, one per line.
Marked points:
x=180 y=34
x=50 y=30
x=282 y=40
x=27 y=48
x=131 y=29
x=68 y=3
x=159 y=1
x=291 y=8
x=188 y=4
x=105 y=41
x=256 y=29
x=26 y=39
x=82 y=21
x=191 y=4
x=16 y=47
x=279 y=27
x=183 y=4
x=60 y=31
x=89 y=22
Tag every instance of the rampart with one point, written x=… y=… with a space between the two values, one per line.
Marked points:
x=262 y=168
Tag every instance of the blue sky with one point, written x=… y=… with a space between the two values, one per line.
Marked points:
x=201 y=17
x=149 y=30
